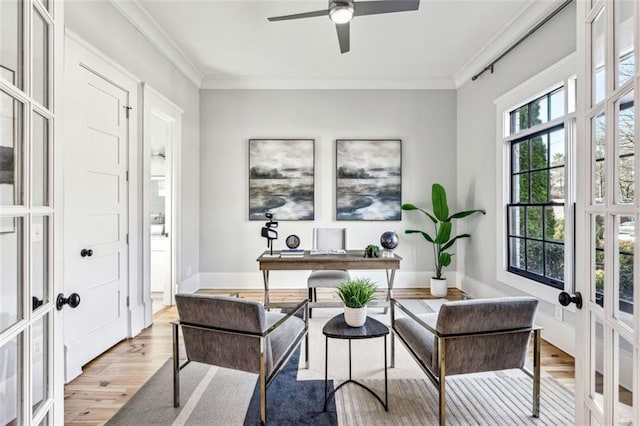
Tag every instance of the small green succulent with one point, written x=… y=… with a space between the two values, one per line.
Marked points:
x=372 y=250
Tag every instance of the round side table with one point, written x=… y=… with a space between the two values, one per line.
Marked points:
x=337 y=328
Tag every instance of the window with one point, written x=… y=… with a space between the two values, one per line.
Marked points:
x=537 y=121
x=535 y=212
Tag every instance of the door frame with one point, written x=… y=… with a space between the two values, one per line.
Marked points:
x=99 y=63
x=153 y=98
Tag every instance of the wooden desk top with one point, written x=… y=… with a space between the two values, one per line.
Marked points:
x=354 y=259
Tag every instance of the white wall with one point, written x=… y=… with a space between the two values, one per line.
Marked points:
x=476 y=161
x=99 y=23
x=230 y=243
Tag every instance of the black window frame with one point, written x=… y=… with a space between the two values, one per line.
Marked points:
x=510 y=236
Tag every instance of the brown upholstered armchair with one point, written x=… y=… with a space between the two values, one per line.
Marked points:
x=237 y=334
x=470 y=336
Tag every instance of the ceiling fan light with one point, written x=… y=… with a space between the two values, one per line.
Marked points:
x=341 y=13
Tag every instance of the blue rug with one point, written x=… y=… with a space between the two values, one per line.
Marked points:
x=293 y=402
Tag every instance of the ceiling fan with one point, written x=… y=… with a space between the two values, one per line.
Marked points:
x=342 y=11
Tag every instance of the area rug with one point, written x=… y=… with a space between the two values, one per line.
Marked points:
x=218 y=396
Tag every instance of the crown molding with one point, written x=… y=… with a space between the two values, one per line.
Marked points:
x=278 y=83
x=516 y=28
x=140 y=18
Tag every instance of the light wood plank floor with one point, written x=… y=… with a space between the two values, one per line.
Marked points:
x=110 y=380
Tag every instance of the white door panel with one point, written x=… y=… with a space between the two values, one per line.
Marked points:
x=96 y=215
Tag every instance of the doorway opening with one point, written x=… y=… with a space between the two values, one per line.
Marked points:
x=162 y=136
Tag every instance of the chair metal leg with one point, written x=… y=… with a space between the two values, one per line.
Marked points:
x=263 y=382
x=441 y=382
x=536 y=373
x=176 y=367
x=393 y=344
x=310 y=299
x=306 y=337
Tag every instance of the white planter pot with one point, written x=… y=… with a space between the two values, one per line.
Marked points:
x=355 y=317
x=439 y=287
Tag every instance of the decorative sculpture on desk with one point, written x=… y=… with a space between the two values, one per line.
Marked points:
x=269 y=233
x=389 y=240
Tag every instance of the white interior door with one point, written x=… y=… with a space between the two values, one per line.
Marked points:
x=96 y=213
x=608 y=328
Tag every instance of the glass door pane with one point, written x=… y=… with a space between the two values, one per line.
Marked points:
x=40 y=363
x=623 y=296
x=11 y=276
x=598 y=74
x=11 y=381
x=11 y=150
x=598 y=153
x=598 y=262
x=623 y=38
x=625 y=146
x=597 y=362
x=40 y=58
x=39 y=261
x=626 y=372
x=11 y=42
x=40 y=161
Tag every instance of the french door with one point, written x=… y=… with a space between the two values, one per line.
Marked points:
x=608 y=328
x=29 y=392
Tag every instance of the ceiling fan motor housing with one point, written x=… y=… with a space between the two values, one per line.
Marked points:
x=341 y=11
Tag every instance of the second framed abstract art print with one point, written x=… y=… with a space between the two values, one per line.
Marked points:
x=368 y=179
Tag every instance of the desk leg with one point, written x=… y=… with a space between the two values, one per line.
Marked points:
x=265 y=277
x=391 y=274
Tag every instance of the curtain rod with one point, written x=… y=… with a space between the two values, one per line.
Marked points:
x=521 y=39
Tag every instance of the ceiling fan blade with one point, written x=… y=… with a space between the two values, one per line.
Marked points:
x=300 y=15
x=343 y=37
x=384 y=6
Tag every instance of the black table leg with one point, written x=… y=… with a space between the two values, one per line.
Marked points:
x=386 y=390
x=326 y=366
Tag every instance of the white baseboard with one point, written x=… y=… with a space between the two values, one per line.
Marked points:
x=190 y=284
x=137 y=319
x=298 y=279
x=558 y=333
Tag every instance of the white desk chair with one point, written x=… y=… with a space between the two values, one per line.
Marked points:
x=327 y=239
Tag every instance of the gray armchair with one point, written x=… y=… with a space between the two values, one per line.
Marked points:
x=470 y=336
x=237 y=334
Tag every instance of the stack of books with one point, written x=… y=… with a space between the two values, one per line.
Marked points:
x=292 y=253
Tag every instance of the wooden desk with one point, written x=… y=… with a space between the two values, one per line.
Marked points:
x=353 y=260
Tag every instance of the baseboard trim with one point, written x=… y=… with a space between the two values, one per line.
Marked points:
x=190 y=284
x=137 y=320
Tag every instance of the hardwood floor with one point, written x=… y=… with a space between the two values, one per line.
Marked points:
x=110 y=380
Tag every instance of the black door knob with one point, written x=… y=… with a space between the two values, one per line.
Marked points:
x=565 y=298
x=86 y=252
x=73 y=300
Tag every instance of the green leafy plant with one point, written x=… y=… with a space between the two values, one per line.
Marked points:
x=356 y=292
x=442 y=239
x=372 y=250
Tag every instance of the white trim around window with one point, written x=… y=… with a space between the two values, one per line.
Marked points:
x=542 y=83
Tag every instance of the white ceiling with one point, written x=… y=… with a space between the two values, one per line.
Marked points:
x=230 y=44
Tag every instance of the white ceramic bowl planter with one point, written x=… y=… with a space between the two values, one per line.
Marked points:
x=355 y=317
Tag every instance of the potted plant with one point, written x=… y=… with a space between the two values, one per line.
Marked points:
x=356 y=293
x=441 y=240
